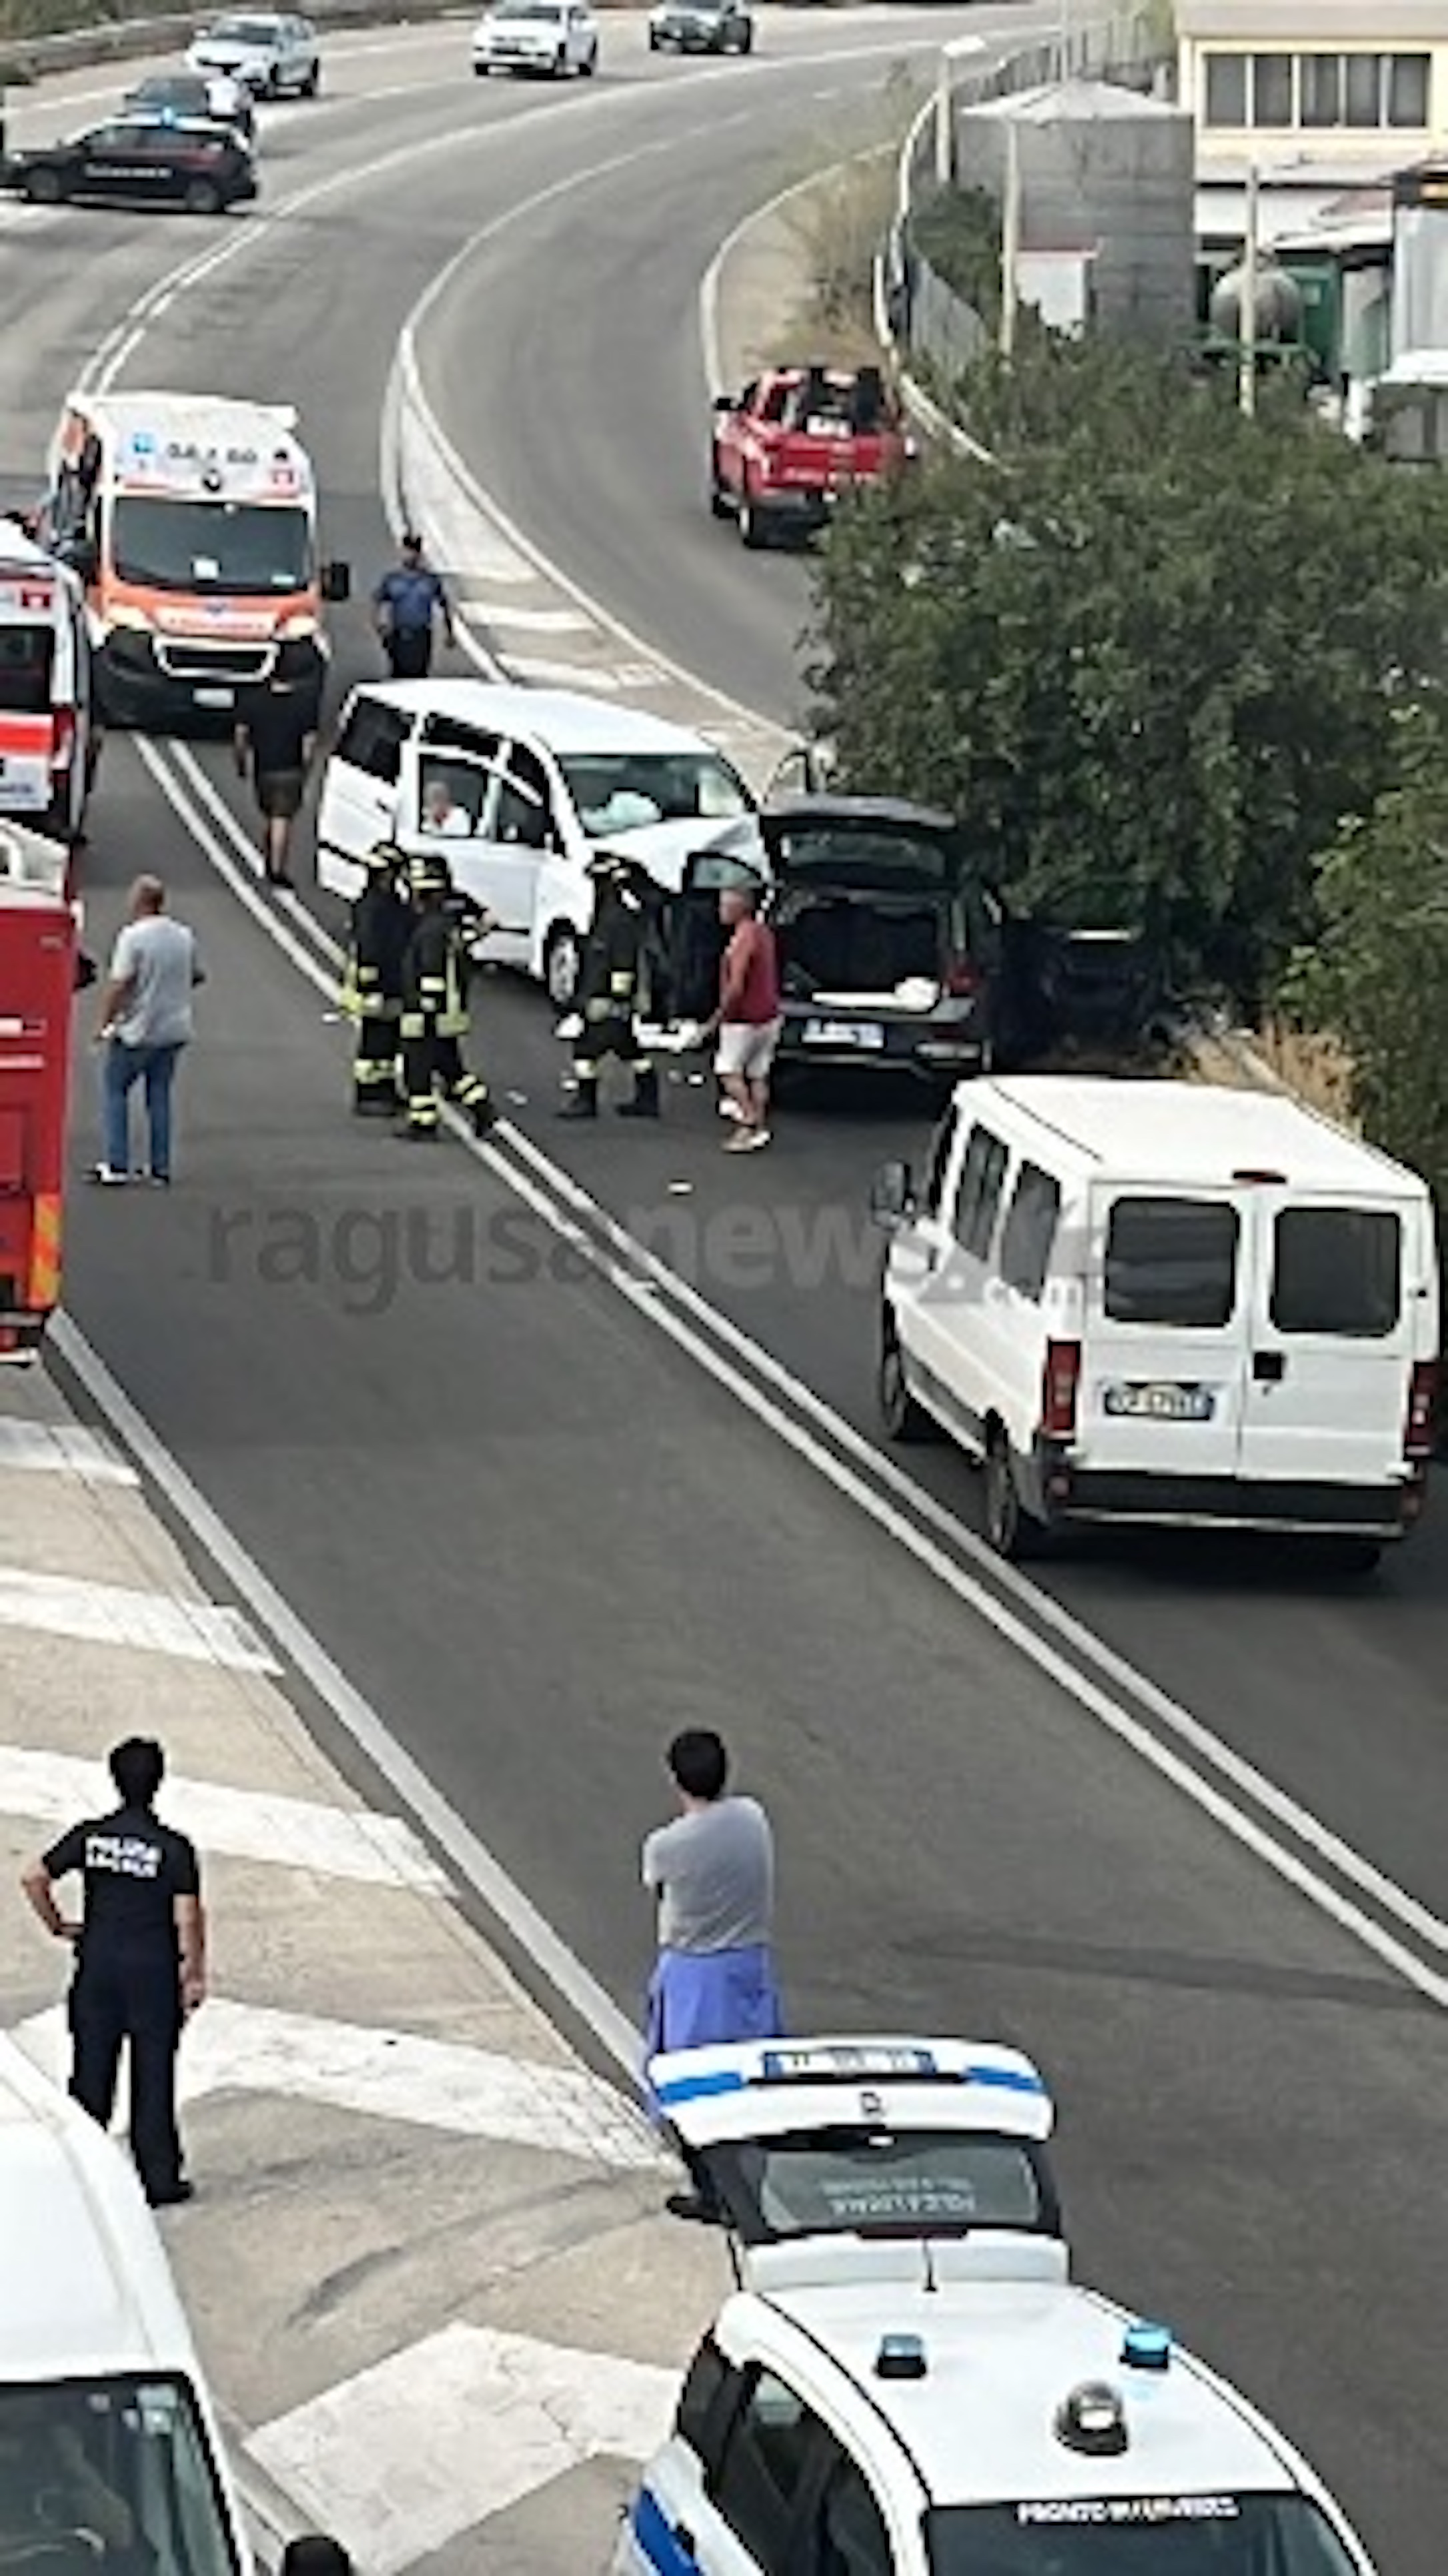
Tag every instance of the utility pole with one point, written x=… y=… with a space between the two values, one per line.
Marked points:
x=944 y=123
x=1010 y=238
x=1247 y=318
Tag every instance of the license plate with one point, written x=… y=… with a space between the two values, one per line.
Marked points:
x=1162 y=1403
x=844 y=1033
x=214 y=697
x=780 y=2063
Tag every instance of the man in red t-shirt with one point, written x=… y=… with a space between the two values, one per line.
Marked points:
x=747 y=1021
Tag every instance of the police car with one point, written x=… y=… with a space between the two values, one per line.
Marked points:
x=906 y=2382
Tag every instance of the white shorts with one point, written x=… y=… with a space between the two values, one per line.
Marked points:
x=747 y=1050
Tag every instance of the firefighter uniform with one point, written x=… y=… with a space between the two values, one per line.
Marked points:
x=435 y=1009
x=378 y=932
x=609 y=993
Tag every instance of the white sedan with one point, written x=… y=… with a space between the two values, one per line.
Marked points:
x=553 y=37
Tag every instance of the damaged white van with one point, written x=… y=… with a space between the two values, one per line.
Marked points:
x=1164 y=1303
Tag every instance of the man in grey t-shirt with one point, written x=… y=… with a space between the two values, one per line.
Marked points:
x=145 y=1021
x=712 y=1870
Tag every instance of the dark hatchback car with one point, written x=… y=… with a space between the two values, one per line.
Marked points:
x=893 y=948
x=167 y=96
x=144 y=162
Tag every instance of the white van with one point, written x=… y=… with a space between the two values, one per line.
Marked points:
x=516 y=788
x=1161 y=1302
x=109 y=2446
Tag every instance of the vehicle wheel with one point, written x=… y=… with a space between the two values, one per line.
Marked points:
x=1009 y=1528
x=203 y=197
x=44 y=187
x=481 y=70
x=752 y=530
x=654 y=46
x=746 y=41
x=589 y=65
x=562 y=960
x=312 y=85
x=720 y=506
x=560 y=66
x=904 y=1421
x=1352 y=1559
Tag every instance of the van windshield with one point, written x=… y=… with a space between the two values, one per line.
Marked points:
x=110 y=2474
x=26 y=653
x=619 y=791
x=236 y=548
x=1157 y=2535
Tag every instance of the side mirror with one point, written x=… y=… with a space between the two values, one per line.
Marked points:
x=892 y=1197
x=336 y=582
x=726 y=402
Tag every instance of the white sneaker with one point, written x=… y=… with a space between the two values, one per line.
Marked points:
x=109 y=1179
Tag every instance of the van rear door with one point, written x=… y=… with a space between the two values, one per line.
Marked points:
x=1340 y=1305
x=1165 y=1365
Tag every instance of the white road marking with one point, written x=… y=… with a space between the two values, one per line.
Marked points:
x=392 y=2075
x=110 y=1614
x=539 y=621
x=409 y=2455
x=61 y=1449
x=536 y=673
x=246 y=1824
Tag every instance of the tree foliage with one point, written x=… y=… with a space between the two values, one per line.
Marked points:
x=1153 y=659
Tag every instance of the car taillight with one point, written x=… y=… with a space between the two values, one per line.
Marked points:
x=1060 y=1379
x=963 y=976
x=63 y=743
x=1422 y=1402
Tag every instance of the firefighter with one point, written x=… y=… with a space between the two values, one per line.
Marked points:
x=377 y=936
x=609 y=981
x=435 y=971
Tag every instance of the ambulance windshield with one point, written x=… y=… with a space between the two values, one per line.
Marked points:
x=230 y=548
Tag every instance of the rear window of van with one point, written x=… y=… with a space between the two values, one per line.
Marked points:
x=1171 y=1262
x=1337 y=1270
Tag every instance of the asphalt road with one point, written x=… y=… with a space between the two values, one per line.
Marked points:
x=538 y=1537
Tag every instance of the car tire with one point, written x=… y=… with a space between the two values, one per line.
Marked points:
x=560 y=67
x=562 y=965
x=720 y=505
x=1010 y=1531
x=904 y=1422
x=44 y=187
x=203 y=197
x=654 y=46
x=1350 y=1560
x=746 y=40
x=481 y=70
x=753 y=532
x=589 y=65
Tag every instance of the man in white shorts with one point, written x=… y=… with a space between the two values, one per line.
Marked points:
x=748 y=1020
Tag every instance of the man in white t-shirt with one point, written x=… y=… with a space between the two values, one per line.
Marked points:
x=145 y=1021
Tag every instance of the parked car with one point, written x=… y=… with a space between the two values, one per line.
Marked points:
x=203 y=167
x=273 y=54
x=785 y=448
x=553 y=37
x=701 y=27
x=212 y=97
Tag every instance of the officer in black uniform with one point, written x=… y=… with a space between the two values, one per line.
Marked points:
x=377 y=935
x=609 y=992
x=140 y=1959
x=435 y=970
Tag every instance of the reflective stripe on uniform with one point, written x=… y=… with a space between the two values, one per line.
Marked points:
x=43 y=1285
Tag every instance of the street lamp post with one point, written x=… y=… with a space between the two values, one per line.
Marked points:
x=1247 y=319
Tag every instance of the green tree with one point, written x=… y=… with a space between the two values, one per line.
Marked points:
x=1378 y=975
x=1152 y=660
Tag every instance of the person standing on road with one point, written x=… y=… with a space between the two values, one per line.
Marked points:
x=274 y=742
x=140 y=1959
x=748 y=1020
x=406 y=604
x=435 y=972
x=145 y=1020
x=378 y=931
x=607 y=999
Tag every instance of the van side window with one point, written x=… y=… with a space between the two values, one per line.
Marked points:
x=1337 y=1270
x=979 y=1196
x=372 y=739
x=1171 y=1261
x=939 y=1164
x=706 y=2404
x=757 y=2483
x=524 y=810
x=1029 y=1232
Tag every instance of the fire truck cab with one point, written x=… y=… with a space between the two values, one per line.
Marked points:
x=37 y=984
x=47 y=742
x=192 y=522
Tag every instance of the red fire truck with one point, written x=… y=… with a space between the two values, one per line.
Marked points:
x=37 y=984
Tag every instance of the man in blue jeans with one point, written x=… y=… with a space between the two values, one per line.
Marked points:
x=145 y=1021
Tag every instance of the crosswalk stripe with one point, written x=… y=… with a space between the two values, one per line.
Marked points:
x=541 y=621
x=407 y=2456
x=244 y=1824
x=62 y=1448
x=111 y=1614
x=393 y=2075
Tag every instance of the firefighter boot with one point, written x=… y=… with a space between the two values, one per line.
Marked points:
x=582 y=1101
x=645 y=1101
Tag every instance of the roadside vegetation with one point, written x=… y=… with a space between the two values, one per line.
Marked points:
x=838 y=218
x=1184 y=674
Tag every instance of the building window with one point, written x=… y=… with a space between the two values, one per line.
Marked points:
x=1321 y=76
x=1408 y=91
x=1226 y=101
x=1363 y=84
x=1272 y=89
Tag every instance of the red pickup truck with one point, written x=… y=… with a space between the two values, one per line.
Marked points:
x=784 y=449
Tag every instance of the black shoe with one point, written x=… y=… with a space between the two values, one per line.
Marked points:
x=279 y=878
x=171 y=2195
x=159 y=1180
x=363 y=1107
x=483 y=1116
x=639 y=1107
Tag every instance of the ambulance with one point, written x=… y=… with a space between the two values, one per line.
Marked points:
x=192 y=522
x=45 y=689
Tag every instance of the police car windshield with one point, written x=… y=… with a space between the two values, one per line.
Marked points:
x=880 y=2182
x=615 y=790
x=1194 y=2535
x=212 y=546
x=125 y=2460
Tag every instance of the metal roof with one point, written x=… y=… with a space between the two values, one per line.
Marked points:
x=197 y=416
x=1190 y=1133
x=1316 y=25
x=568 y=723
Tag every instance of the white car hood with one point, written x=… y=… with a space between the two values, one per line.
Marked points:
x=520 y=31
x=224 y=57
x=665 y=849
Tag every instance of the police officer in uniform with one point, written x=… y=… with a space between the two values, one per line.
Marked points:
x=435 y=970
x=371 y=995
x=609 y=992
x=140 y=1959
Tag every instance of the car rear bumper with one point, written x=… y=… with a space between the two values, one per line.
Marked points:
x=1378 y=1512
x=930 y=1046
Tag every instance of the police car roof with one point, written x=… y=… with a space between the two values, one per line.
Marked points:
x=768 y=2088
x=87 y=2284
x=1000 y=2359
x=568 y=722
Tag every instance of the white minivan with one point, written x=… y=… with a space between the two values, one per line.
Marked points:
x=517 y=788
x=1164 y=1302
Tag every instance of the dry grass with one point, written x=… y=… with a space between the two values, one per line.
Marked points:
x=1312 y=1067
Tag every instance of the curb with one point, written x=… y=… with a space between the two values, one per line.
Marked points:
x=737 y=242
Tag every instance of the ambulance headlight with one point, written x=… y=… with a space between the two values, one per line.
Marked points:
x=293 y=630
x=134 y=620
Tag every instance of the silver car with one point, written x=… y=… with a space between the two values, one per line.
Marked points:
x=270 y=54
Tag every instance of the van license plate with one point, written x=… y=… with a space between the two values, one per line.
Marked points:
x=214 y=697
x=844 y=1033
x=1157 y=1403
